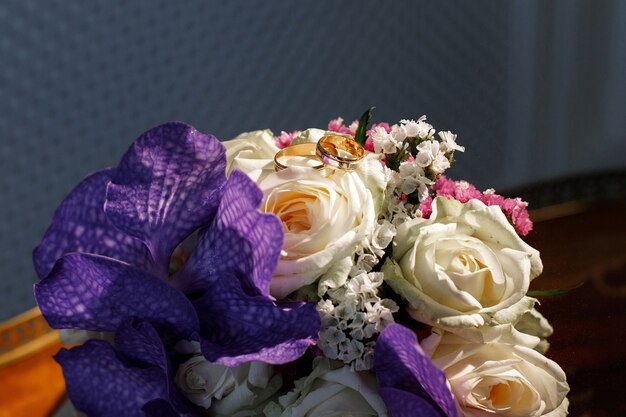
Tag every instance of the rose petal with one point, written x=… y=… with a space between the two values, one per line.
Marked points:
x=241 y=240
x=168 y=184
x=239 y=328
x=400 y=363
x=80 y=225
x=92 y=292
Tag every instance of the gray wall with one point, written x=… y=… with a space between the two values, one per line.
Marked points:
x=534 y=89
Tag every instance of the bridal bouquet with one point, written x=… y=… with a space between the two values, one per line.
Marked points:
x=331 y=272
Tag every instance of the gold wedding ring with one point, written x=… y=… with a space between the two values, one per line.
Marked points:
x=346 y=152
x=331 y=151
x=302 y=151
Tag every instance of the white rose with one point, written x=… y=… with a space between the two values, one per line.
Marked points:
x=463 y=266
x=535 y=324
x=499 y=378
x=312 y=135
x=224 y=391
x=252 y=153
x=331 y=392
x=325 y=217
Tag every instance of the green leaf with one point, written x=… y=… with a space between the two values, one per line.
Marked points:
x=361 y=130
x=549 y=293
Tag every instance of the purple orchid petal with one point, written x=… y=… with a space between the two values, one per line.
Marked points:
x=136 y=378
x=139 y=341
x=168 y=184
x=400 y=363
x=80 y=225
x=406 y=404
x=241 y=240
x=237 y=327
x=92 y=292
x=102 y=384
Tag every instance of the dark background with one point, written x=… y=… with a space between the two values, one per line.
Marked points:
x=534 y=89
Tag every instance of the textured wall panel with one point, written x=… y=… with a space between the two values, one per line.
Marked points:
x=80 y=80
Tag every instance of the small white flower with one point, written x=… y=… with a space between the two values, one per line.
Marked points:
x=413 y=178
x=382 y=237
x=384 y=142
x=364 y=264
x=398 y=133
x=448 y=142
x=333 y=336
x=440 y=163
x=345 y=311
x=366 y=361
x=431 y=154
x=418 y=129
x=412 y=128
x=356 y=315
x=427 y=151
x=354 y=350
x=325 y=306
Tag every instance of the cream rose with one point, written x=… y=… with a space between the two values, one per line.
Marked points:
x=252 y=153
x=331 y=391
x=462 y=266
x=224 y=391
x=325 y=216
x=499 y=378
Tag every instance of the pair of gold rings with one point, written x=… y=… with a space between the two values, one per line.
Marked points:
x=331 y=151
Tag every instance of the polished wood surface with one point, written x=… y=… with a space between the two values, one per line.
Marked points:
x=33 y=387
x=583 y=247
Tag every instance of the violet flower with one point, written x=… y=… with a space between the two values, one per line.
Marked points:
x=410 y=384
x=106 y=255
x=136 y=378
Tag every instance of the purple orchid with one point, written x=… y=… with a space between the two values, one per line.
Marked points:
x=410 y=384
x=134 y=379
x=105 y=258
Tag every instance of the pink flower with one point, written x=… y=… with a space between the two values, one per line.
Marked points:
x=336 y=125
x=492 y=199
x=514 y=208
x=445 y=187
x=426 y=207
x=285 y=139
x=466 y=191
